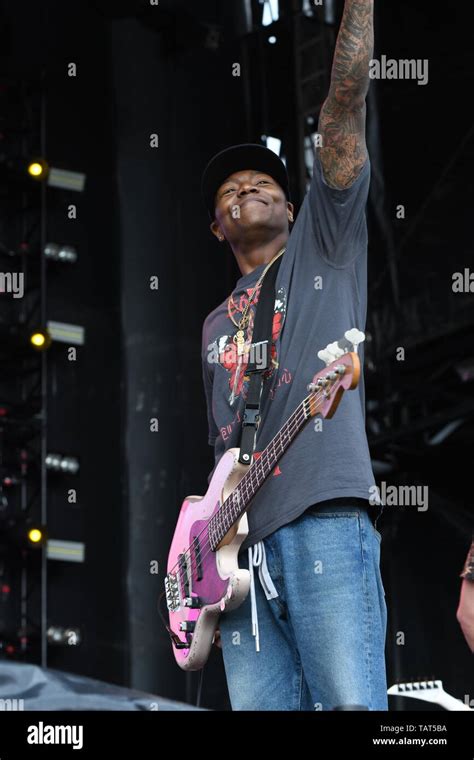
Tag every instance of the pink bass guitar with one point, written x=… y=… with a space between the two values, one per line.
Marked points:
x=204 y=578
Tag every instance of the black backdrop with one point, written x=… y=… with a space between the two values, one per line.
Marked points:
x=141 y=216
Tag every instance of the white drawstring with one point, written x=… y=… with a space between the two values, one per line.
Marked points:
x=257 y=558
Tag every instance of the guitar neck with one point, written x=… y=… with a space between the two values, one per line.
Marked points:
x=239 y=500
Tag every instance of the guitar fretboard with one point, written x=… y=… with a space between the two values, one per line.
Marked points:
x=238 y=501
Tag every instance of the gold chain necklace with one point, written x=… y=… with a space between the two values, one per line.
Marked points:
x=239 y=337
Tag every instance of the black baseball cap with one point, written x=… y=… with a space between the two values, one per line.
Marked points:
x=238 y=158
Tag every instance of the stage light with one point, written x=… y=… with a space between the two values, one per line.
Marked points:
x=67 y=551
x=66 y=333
x=40 y=340
x=21 y=533
x=66 y=254
x=64 y=636
x=312 y=9
x=38 y=169
x=66 y=180
x=272 y=143
x=35 y=169
x=330 y=11
x=271 y=12
x=35 y=535
x=60 y=463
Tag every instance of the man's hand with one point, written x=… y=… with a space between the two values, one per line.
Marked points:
x=342 y=117
x=465 y=612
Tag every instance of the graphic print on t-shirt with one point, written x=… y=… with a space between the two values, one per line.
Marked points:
x=227 y=348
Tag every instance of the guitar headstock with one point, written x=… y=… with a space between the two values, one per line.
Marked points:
x=428 y=691
x=328 y=385
x=350 y=342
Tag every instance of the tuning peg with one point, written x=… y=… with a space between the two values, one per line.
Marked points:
x=325 y=356
x=355 y=336
x=335 y=349
x=329 y=354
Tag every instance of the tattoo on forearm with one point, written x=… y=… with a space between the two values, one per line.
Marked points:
x=354 y=49
x=342 y=117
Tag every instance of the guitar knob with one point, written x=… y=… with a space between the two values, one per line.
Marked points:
x=187 y=625
x=192 y=601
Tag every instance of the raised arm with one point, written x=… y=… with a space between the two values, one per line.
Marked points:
x=342 y=117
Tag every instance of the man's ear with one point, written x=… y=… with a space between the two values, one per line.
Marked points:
x=291 y=208
x=216 y=230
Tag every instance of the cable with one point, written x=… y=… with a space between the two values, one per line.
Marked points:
x=199 y=693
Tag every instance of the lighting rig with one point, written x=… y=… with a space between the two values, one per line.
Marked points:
x=27 y=335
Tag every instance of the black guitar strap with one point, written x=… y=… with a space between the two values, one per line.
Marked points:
x=259 y=361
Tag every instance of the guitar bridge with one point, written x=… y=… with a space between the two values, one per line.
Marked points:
x=173 y=601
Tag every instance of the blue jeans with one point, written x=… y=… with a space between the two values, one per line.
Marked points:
x=322 y=638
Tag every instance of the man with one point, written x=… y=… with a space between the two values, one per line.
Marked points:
x=310 y=635
x=465 y=611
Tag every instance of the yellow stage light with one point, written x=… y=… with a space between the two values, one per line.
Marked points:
x=38 y=169
x=40 y=339
x=35 y=169
x=35 y=535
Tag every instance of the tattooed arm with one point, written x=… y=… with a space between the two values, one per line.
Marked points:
x=342 y=118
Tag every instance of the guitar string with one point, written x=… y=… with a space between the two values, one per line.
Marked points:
x=191 y=563
x=249 y=477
